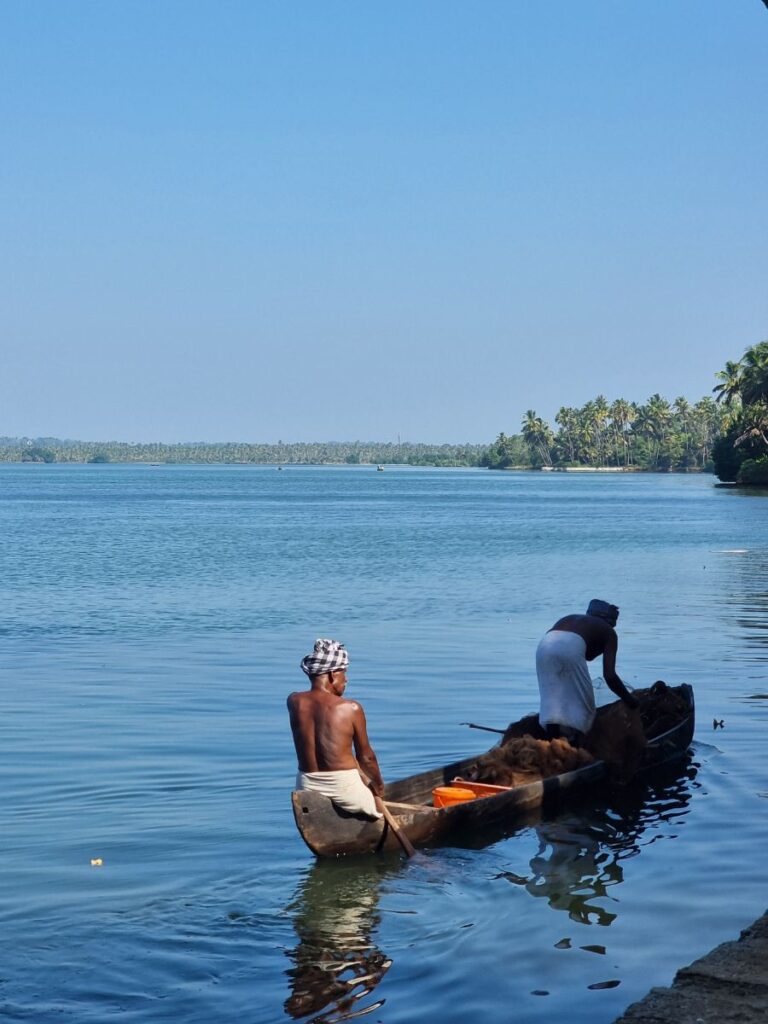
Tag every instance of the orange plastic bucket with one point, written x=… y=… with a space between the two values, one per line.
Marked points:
x=459 y=791
x=479 y=789
x=446 y=796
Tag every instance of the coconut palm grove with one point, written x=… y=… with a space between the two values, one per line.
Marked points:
x=726 y=434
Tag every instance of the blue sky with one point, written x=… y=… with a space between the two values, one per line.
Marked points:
x=340 y=220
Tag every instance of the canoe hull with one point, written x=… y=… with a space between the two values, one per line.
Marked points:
x=330 y=832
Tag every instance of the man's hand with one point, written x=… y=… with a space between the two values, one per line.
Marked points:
x=377 y=788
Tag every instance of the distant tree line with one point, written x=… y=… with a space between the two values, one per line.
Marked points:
x=741 y=454
x=728 y=434
x=51 y=449
x=658 y=435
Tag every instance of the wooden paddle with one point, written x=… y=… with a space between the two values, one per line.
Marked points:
x=401 y=837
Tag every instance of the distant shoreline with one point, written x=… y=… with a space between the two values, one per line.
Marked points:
x=351 y=453
x=598 y=469
x=48 y=450
x=589 y=470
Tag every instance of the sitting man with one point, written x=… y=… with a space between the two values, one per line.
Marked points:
x=326 y=728
x=567 y=707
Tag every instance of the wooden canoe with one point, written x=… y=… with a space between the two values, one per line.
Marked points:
x=330 y=832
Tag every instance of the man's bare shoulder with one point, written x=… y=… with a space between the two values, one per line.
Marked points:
x=304 y=700
x=573 y=623
x=588 y=623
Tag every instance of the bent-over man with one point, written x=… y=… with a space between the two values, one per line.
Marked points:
x=567 y=706
x=330 y=735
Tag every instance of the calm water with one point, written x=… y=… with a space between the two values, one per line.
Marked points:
x=153 y=621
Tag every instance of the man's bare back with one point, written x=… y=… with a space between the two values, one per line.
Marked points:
x=596 y=633
x=330 y=734
x=323 y=730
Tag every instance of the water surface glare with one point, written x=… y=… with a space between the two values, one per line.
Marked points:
x=153 y=621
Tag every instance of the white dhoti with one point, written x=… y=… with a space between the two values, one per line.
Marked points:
x=565 y=685
x=345 y=788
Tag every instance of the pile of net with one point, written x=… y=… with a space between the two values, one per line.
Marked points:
x=524 y=759
x=618 y=737
x=661 y=708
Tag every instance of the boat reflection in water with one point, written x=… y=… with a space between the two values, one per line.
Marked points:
x=580 y=853
x=336 y=964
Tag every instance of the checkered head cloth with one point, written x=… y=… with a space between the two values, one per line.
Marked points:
x=328 y=656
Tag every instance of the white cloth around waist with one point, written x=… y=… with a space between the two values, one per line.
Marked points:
x=567 y=696
x=345 y=788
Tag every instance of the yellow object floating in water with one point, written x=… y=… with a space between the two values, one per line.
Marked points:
x=96 y=862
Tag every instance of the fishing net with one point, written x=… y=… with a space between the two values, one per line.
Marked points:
x=618 y=737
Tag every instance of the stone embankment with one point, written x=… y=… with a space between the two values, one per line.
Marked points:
x=727 y=986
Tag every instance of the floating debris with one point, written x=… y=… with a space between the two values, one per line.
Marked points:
x=604 y=984
x=96 y=862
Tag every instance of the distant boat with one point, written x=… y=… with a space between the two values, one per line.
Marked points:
x=379 y=469
x=279 y=468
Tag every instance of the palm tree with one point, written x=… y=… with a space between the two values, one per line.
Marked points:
x=683 y=414
x=651 y=423
x=622 y=414
x=755 y=373
x=682 y=408
x=728 y=390
x=600 y=413
x=754 y=424
x=538 y=436
x=566 y=419
x=587 y=433
x=706 y=421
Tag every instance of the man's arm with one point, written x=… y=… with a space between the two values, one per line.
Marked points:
x=364 y=751
x=609 y=671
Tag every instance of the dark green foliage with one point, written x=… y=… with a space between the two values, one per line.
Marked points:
x=727 y=458
x=754 y=471
x=507 y=452
x=754 y=374
x=743 y=391
x=37 y=454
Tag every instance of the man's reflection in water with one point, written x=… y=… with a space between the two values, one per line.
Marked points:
x=580 y=853
x=336 y=964
x=571 y=869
